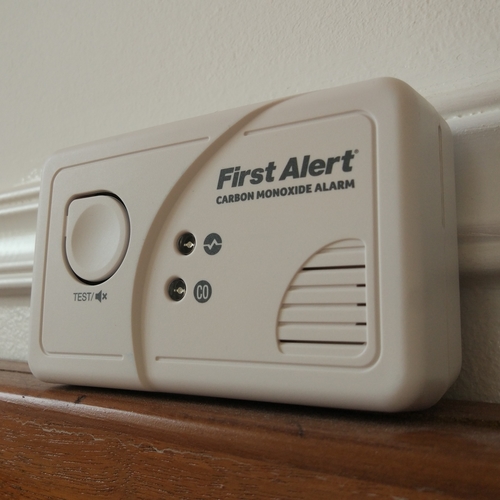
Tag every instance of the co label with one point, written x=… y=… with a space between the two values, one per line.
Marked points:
x=202 y=291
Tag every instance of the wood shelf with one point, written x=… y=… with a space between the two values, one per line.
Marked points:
x=63 y=442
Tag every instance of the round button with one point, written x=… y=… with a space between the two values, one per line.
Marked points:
x=97 y=236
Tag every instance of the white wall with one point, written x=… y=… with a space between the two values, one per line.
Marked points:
x=75 y=71
x=72 y=72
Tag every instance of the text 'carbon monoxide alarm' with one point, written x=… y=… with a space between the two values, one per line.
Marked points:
x=298 y=251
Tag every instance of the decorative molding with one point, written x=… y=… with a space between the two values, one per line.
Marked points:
x=477 y=153
x=466 y=102
x=474 y=118
x=18 y=213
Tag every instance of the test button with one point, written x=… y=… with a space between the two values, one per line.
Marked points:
x=97 y=236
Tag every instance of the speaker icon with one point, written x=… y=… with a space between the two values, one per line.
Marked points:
x=100 y=296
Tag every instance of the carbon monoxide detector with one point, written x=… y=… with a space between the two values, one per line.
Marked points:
x=299 y=251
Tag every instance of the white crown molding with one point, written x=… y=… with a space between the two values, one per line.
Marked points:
x=461 y=103
x=474 y=118
x=18 y=213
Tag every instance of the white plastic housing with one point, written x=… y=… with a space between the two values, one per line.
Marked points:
x=324 y=269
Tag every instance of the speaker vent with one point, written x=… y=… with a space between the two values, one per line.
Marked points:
x=324 y=308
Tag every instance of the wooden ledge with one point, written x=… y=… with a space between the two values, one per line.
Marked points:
x=64 y=442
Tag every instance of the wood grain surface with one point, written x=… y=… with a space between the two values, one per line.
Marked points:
x=60 y=442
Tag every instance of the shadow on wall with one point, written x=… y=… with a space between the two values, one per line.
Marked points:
x=479 y=379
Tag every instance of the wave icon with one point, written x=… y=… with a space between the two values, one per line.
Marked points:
x=212 y=244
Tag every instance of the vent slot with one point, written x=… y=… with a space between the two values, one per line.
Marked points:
x=324 y=309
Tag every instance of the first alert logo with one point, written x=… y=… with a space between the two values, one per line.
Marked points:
x=237 y=177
